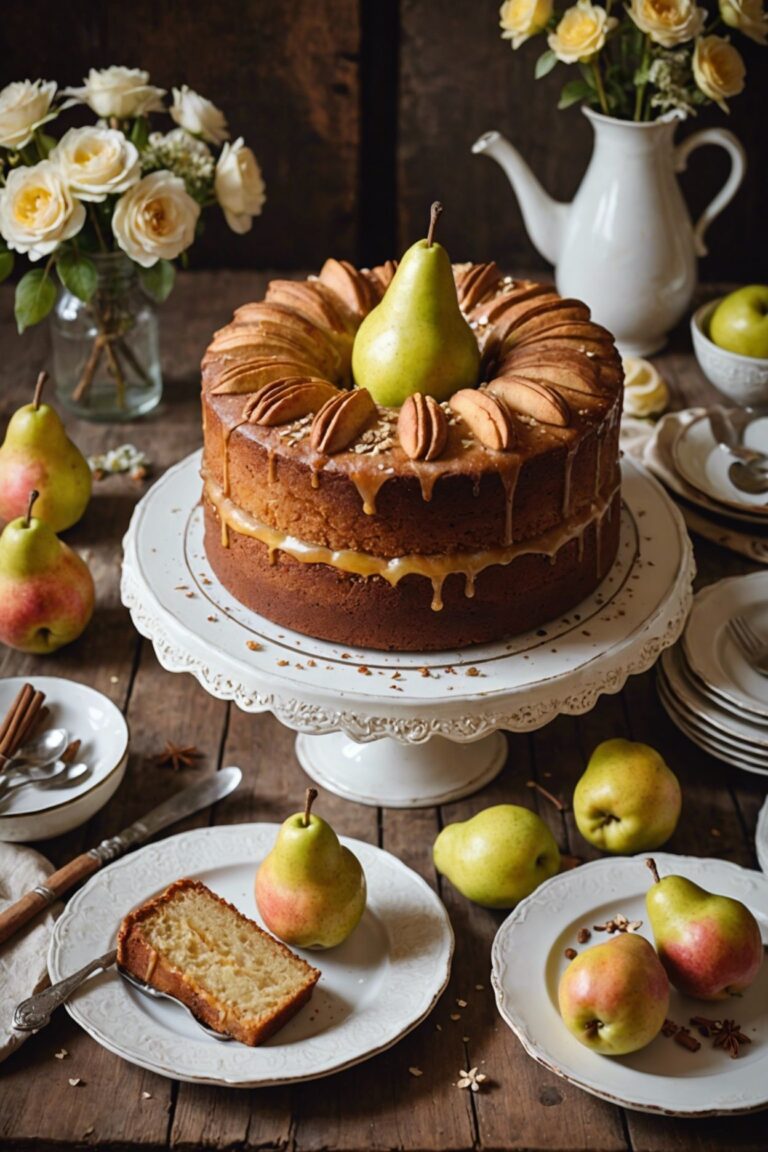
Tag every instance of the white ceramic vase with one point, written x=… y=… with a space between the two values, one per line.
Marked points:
x=626 y=245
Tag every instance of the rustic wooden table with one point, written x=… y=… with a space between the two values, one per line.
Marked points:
x=379 y=1104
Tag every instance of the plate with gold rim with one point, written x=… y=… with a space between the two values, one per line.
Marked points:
x=374 y=988
x=663 y=1077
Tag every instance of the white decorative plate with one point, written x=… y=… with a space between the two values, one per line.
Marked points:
x=704 y=463
x=761 y=837
x=658 y=456
x=38 y=813
x=711 y=652
x=528 y=961
x=708 y=739
x=375 y=987
x=750 y=734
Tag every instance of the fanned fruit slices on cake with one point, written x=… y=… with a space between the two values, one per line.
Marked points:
x=455 y=494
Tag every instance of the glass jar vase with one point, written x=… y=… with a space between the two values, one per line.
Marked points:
x=106 y=354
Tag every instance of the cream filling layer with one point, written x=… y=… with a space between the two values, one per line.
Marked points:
x=436 y=569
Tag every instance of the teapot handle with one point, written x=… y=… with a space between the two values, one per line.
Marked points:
x=738 y=169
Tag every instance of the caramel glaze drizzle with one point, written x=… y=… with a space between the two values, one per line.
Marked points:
x=435 y=568
x=227 y=435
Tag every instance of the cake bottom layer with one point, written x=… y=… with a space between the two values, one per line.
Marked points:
x=368 y=612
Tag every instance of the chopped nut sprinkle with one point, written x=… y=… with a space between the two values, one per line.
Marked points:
x=415 y=1071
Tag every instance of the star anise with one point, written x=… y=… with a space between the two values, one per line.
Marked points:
x=177 y=756
x=726 y=1034
x=471 y=1079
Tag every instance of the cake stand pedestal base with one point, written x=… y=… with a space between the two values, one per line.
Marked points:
x=389 y=774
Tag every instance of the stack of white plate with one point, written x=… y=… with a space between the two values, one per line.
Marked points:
x=706 y=683
x=684 y=454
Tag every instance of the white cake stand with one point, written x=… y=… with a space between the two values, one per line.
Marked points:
x=404 y=729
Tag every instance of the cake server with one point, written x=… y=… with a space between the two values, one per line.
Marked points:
x=184 y=803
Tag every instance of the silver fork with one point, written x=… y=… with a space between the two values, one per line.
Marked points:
x=755 y=649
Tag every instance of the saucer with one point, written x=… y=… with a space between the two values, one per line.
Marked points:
x=704 y=463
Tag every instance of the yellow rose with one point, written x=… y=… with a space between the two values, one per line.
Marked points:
x=668 y=22
x=521 y=19
x=118 y=91
x=198 y=115
x=746 y=16
x=155 y=220
x=581 y=32
x=24 y=106
x=239 y=186
x=37 y=210
x=718 y=69
x=97 y=162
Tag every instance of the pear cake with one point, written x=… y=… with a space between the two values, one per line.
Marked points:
x=231 y=974
x=433 y=525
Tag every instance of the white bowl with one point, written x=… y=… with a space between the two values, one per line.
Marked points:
x=743 y=379
x=38 y=813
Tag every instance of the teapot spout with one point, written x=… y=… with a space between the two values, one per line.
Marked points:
x=544 y=217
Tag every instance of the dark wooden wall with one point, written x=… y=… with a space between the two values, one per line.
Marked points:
x=363 y=111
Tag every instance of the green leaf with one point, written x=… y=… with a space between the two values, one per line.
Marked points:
x=158 y=280
x=574 y=91
x=35 y=296
x=77 y=273
x=6 y=264
x=140 y=133
x=45 y=144
x=545 y=63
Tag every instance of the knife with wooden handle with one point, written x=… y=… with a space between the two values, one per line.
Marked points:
x=184 y=803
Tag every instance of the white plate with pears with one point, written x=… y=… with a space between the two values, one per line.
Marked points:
x=663 y=1077
x=374 y=987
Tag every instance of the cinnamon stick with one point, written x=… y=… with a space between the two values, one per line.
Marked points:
x=16 y=721
x=30 y=719
x=23 y=695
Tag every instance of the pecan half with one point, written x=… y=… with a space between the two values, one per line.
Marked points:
x=532 y=399
x=422 y=427
x=488 y=418
x=340 y=420
x=288 y=399
x=249 y=375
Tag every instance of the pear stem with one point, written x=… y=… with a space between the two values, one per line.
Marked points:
x=41 y=381
x=434 y=215
x=32 y=497
x=654 y=870
x=311 y=797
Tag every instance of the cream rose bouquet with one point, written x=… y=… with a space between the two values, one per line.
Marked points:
x=642 y=60
x=115 y=186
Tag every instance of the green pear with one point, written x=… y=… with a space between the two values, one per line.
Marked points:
x=628 y=800
x=710 y=945
x=499 y=856
x=614 y=997
x=416 y=339
x=310 y=890
x=46 y=590
x=38 y=454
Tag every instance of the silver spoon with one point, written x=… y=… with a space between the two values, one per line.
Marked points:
x=44 y=749
x=42 y=775
x=747 y=478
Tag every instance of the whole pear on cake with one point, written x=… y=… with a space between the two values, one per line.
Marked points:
x=310 y=889
x=46 y=589
x=709 y=944
x=416 y=339
x=38 y=454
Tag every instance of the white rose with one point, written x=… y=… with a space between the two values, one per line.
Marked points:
x=521 y=19
x=239 y=185
x=581 y=32
x=97 y=162
x=118 y=91
x=746 y=16
x=198 y=115
x=24 y=106
x=155 y=220
x=668 y=22
x=37 y=210
x=718 y=69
